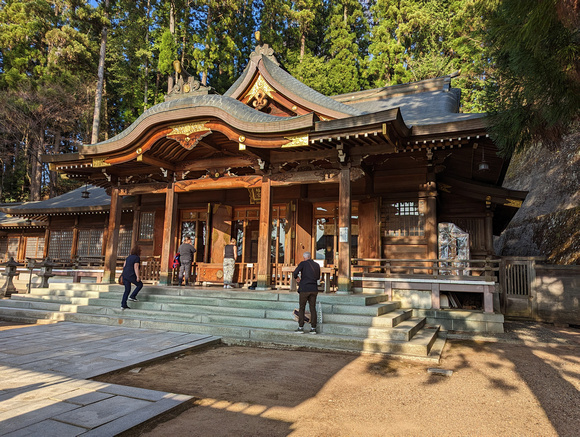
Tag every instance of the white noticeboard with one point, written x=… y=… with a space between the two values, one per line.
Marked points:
x=343 y=235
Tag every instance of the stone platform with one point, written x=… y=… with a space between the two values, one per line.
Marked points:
x=44 y=372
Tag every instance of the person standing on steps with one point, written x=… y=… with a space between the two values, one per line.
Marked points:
x=186 y=251
x=230 y=256
x=131 y=275
x=309 y=273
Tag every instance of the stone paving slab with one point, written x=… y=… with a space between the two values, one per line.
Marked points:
x=44 y=386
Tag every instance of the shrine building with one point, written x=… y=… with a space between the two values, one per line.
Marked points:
x=284 y=169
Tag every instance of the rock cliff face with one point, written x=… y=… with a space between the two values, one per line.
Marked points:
x=548 y=223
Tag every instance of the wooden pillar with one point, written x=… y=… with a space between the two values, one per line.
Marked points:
x=429 y=192
x=489 y=232
x=112 y=245
x=74 y=250
x=264 y=240
x=344 y=232
x=136 y=221
x=46 y=238
x=169 y=227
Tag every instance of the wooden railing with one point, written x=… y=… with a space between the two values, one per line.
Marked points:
x=433 y=268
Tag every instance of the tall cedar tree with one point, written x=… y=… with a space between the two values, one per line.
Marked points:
x=534 y=89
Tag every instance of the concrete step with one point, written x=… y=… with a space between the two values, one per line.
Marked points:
x=8 y=313
x=420 y=345
x=355 y=323
x=402 y=332
x=390 y=319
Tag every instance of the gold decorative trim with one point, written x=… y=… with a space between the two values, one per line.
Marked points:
x=100 y=162
x=189 y=128
x=241 y=138
x=513 y=202
x=260 y=86
x=255 y=195
x=444 y=187
x=297 y=141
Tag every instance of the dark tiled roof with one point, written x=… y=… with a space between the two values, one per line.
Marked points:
x=294 y=85
x=425 y=108
x=231 y=106
x=70 y=202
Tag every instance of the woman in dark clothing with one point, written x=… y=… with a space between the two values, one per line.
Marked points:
x=131 y=276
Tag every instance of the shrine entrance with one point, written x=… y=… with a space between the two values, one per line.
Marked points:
x=193 y=224
x=245 y=229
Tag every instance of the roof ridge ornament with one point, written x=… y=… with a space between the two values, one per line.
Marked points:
x=185 y=84
x=263 y=50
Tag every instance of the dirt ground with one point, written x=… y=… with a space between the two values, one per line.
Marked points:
x=523 y=383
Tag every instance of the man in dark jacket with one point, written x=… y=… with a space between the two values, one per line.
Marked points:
x=309 y=273
x=186 y=251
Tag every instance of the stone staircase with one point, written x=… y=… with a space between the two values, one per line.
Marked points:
x=353 y=323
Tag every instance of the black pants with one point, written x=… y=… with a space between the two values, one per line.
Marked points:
x=310 y=297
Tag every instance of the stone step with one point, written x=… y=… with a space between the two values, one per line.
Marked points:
x=250 y=319
x=356 y=323
x=216 y=293
x=402 y=332
x=419 y=345
x=37 y=305
x=7 y=313
x=390 y=319
x=63 y=292
x=49 y=298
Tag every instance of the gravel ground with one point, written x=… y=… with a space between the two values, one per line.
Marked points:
x=525 y=382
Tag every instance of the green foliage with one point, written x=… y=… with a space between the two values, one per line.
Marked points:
x=534 y=88
x=49 y=52
x=167 y=53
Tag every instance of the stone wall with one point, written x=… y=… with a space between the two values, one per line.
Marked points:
x=557 y=294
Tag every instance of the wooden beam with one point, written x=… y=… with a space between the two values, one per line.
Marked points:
x=227 y=162
x=155 y=162
x=282 y=157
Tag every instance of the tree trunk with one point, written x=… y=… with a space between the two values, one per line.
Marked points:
x=36 y=166
x=302 y=46
x=100 y=80
x=53 y=176
x=146 y=90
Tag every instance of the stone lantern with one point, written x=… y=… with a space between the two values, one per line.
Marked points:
x=8 y=288
x=46 y=272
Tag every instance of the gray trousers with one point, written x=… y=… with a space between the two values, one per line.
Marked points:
x=184 y=271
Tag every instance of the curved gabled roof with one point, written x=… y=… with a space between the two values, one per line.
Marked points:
x=288 y=85
x=233 y=107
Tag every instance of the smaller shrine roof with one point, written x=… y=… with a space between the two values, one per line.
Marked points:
x=68 y=203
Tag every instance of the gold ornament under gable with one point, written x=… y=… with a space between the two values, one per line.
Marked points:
x=100 y=162
x=189 y=128
x=297 y=141
x=260 y=86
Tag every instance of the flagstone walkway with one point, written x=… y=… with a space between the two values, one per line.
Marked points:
x=44 y=372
